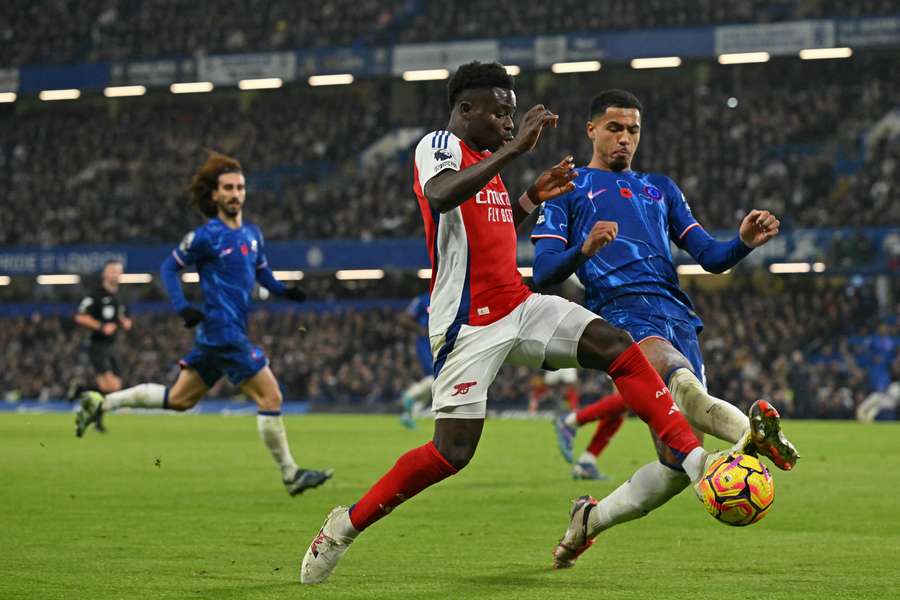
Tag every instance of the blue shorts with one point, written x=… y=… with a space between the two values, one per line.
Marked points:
x=681 y=334
x=239 y=362
x=423 y=351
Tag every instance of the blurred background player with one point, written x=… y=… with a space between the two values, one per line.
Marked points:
x=103 y=314
x=614 y=230
x=229 y=258
x=418 y=394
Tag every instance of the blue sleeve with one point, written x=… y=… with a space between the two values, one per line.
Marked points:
x=553 y=263
x=713 y=255
x=689 y=235
x=266 y=278
x=412 y=308
x=264 y=274
x=552 y=221
x=192 y=249
x=169 y=272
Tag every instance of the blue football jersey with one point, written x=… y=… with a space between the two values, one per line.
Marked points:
x=419 y=309
x=636 y=270
x=226 y=260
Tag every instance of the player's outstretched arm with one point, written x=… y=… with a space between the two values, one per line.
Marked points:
x=555 y=181
x=756 y=229
x=447 y=190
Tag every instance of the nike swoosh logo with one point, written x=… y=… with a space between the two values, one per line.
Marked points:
x=592 y=193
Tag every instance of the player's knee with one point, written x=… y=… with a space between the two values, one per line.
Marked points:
x=458 y=456
x=458 y=453
x=601 y=344
x=181 y=402
x=270 y=402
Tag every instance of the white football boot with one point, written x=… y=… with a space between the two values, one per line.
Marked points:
x=575 y=541
x=327 y=547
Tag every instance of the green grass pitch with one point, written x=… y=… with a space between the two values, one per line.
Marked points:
x=192 y=507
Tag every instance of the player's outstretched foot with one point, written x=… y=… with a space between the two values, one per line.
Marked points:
x=588 y=470
x=407 y=421
x=327 y=548
x=767 y=438
x=305 y=479
x=565 y=437
x=575 y=541
x=89 y=412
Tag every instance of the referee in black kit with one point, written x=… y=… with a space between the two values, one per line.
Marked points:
x=104 y=315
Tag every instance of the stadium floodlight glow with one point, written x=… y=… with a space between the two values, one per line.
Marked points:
x=58 y=279
x=426 y=75
x=121 y=91
x=781 y=268
x=740 y=58
x=193 y=87
x=51 y=95
x=135 y=278
x=584 y=66
x=351 y=274
x=190 y=277
x=7 y=97
x=424 y=273
x=288 y=275
x=819 y=267
x=817 y=53
x=336 y=79
x=695 y=270
x=512 y=70
x=5 y=279
x=661 y=62
x=265 y=83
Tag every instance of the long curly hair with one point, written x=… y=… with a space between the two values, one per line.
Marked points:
x=206 y=180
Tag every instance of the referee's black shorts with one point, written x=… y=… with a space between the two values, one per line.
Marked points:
x=103 y=357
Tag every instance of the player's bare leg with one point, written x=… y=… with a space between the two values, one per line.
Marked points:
x=451 y=449
x=263 y=389
x=188 y=389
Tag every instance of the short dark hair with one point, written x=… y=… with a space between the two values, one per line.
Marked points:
x=477 y=75
x=617 y=98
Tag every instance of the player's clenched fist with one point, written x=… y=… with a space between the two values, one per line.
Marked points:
x=759 y=227
x=530 y=128
x=602 y=233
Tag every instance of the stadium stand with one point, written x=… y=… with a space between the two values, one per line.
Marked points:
x=302 y=145
x=52 y=32
x=816 y=347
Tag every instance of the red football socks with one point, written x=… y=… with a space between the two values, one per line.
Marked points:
x=606 y=429
x=413 y=472
x=647 y=395
x=606 y=407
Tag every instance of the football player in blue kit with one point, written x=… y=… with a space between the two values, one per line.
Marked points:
x=228 y=255
x=614 y=232
x=416 y=317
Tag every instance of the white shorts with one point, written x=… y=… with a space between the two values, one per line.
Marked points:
x=543 y=331
x=561 y=376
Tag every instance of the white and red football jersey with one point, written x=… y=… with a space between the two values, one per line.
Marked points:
x=474 y=279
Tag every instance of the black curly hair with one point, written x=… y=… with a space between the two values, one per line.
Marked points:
x=477 y=75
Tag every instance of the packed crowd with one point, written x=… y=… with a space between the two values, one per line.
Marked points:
x=104 y=174
x=510 y=18
x=62 y=31
x=815 y=348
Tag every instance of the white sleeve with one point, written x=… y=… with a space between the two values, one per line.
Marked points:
x=438 y=151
